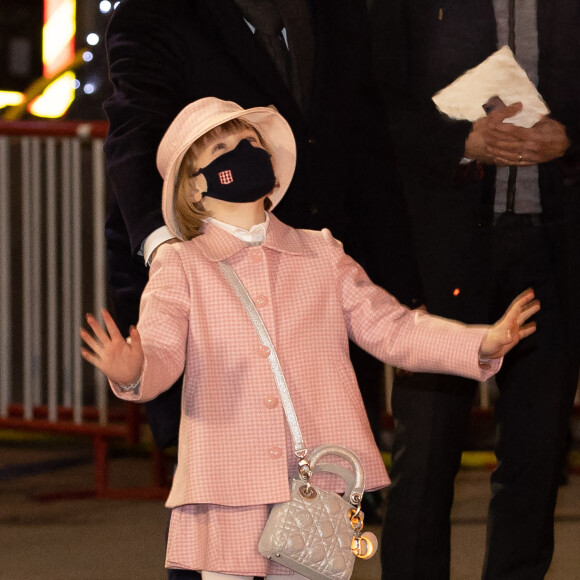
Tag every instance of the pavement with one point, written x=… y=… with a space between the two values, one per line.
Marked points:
x=83 y=538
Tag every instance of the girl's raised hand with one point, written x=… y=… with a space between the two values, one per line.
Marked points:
x=502 y=336
x=121 y=360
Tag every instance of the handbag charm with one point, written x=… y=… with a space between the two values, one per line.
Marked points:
x=317 y=533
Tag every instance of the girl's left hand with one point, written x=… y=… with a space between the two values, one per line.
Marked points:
x=502 y=336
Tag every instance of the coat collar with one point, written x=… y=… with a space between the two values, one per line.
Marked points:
x=217 y=245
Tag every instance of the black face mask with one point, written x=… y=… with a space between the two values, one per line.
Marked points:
x=242 y=175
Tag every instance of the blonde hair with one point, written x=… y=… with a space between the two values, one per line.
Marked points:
x=188 y=213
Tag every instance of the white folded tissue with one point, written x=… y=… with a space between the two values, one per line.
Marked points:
x=498 y=75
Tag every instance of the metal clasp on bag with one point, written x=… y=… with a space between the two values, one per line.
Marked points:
x=364 y=545
x=305 y=473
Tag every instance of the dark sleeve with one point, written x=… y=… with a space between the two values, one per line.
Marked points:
x=148 y=72
x=426 y=141
x=379 y=204
x=569 y=164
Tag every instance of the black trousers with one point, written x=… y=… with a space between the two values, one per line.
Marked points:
x=536 y=384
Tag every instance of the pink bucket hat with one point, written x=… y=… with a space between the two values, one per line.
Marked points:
x=205 y=114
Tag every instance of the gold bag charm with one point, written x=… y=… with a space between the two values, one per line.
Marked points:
x=364 y=546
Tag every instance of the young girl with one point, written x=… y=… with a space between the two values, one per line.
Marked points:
x=223 y=168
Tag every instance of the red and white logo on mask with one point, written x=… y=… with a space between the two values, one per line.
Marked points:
x=226 y=177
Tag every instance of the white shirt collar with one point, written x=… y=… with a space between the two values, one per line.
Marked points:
x=254 y=236
x=282 y=32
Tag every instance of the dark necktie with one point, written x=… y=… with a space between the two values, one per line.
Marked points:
x=268 y=23
x=513 y=170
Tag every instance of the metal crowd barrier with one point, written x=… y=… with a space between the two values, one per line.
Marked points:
x=53 y=193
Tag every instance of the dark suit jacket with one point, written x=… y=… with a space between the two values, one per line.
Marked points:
x=419 y=53
x=164 y=55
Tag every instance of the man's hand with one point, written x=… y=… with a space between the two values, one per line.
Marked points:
x=494 y=142
x=545 y=141
x=502 y=336
x=487 y=134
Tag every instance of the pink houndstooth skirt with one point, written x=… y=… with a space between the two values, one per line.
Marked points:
x=219 y=539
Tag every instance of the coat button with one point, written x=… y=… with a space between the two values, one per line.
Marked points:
x=275 y=452
x=271 y=402
x=263 y=351
x=255 y=255
x=313 y=209
x=261 y=300
x=312 y=141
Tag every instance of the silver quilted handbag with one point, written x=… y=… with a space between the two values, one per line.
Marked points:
x=317 y=533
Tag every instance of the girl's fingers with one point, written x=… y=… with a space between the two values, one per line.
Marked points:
x=528 y=311
x=112 y=328
x=527 y=329
x=523 y=307
x=99 y=331
x=523 y=298
x=91 y=358
x=95 y=346
x=135 y=338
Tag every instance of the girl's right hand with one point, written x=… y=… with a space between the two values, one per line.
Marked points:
x=121 y=360
x=512 y=327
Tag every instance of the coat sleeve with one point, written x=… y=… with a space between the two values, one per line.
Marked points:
x=163 y=326
x=148 y=71
x=409 y=339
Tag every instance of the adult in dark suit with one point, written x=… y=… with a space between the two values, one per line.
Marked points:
x=463 y=247
x=164 y=55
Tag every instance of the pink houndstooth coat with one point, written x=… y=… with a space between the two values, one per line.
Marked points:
x=234 y=445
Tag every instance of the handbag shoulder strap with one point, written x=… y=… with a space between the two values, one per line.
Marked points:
x=248 y=303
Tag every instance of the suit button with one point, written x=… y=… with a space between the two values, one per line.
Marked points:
x=312 y=141
x=271 y=402
x=275 y=453
x=263 y=351
x=313 y=209
x=261 y=300
x=255 y=255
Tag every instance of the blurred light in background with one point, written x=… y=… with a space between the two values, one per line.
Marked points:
x=58 y=52
x=47 y=75
x=58 y=35
x=10 y=98
x=56 y=98
x=93 y=39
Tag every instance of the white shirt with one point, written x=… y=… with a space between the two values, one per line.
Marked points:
x=254 y=236
x=526 y=38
